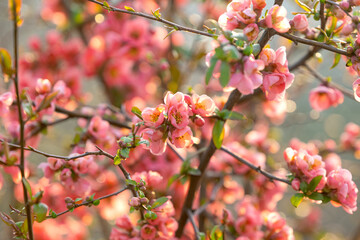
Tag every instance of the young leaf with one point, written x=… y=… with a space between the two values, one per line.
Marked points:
x=224 y=73
x=336 y=60
x=52 y=214
x=316 y=196
x=130 y=9
x=314 y=183
x=216 y=233
x=5 y=62
x=218 y=133
x=296 y=199
x=156 y=13
x=159 y=202
x=27 y=186
x=137 y=112
x=303 y=5
x=125 y=152
x=40 y=211
x=131 y=182
x=172 y=31
x=231 y=115
x=304 y=187
x=96 y=202
x=210 y=70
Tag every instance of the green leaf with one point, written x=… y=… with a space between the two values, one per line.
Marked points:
x=130 y=9
x=349 y=63
x=219 y=53
x=46 y=102
x=40 y=211
x=159 y=202
x=5 y=62
x=77 y=138
x=146 y=142
x=314 y=183
x=224 y=73
x=106 y=6
x=78 y=200
x=172 y=179
x=218 y=133
x=231 y=115
x=27 y=186
x=336 y=60
x=194 y=172
x=201 y=236
x=52 y=214
x=125 y=152
x=304 y=187
x=137 y=112
x=296 y=199
x=210 y=70
x=156 y=13
x=316 y=196
x=92 y=197
x=96 y=202
x=216 y=233
x=248 y=50
x=28 y=109
x=132 y=209
x=131 y=182
x=172 y=31
x=183 y=180
x=117 y=159
x=303 y=5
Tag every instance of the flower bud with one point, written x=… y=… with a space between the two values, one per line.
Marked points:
x=295 y=184
x=144 y=200
x=199 y=121
x=134 y=202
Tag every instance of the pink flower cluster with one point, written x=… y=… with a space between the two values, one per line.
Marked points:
x=276 y=19
x=324 y=97
x=277 y=77
x=239 y=14
x=336 y=184
x=162 y=228
x=171 y=120
x=251 y=223
x=350 y=137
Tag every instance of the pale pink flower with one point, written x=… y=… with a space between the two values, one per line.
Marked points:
x=356 y=88
x=323 y=97
x=228 y=21
x=274 y=86
x=258 y=4
x=43 y=86
x=267 y=55
x=276 y=19
x=98 y=128
x=153 y=117
x=332 y=162
x=157 y=143
x=346 y=191
x=300 y=22
x=238 y=5
x=6 y=99
x=179 y=115
x=182 y=138
x=246 y=16
x=251 y=31
x=173 y=99
x=202 y=105
x=148 y=232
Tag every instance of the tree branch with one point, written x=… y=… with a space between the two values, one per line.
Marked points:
x=21 y=121
x=89 y=202
x=176 y=26
x=256 y=168
x=305 y=41
x=192 y=220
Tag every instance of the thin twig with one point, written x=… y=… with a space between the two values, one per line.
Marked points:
x=72 y=114
x=305 y=41
x=256 y=168
x=21 y=121
x=176 y=26
x=345 y=91
x=90 y=202
x=66 y=158
x=176 y=152
x=191 y=217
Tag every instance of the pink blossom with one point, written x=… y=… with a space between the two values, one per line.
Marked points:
x=154 y=117
x=148 y=232
x=332 y=162
x=356 y=88
x=251 y=31
x=276 y=19
x=267 y=55
x=323 y=97
x=179 y=115
x=156 y=139
x=182 y=138
x=300 y=23
x=55 y=163
x=246 y=16
x=98 y=128
x=124 y=223
x=43 y=86
x=202 y=105
x=295 y=184
x=228 y=21
x=238 y=5
x=258 y=4
x=340 y=181
x=6 y=100
x=173 y=99
x=274 y=86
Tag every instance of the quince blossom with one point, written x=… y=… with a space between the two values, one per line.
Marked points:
x=276 y=19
